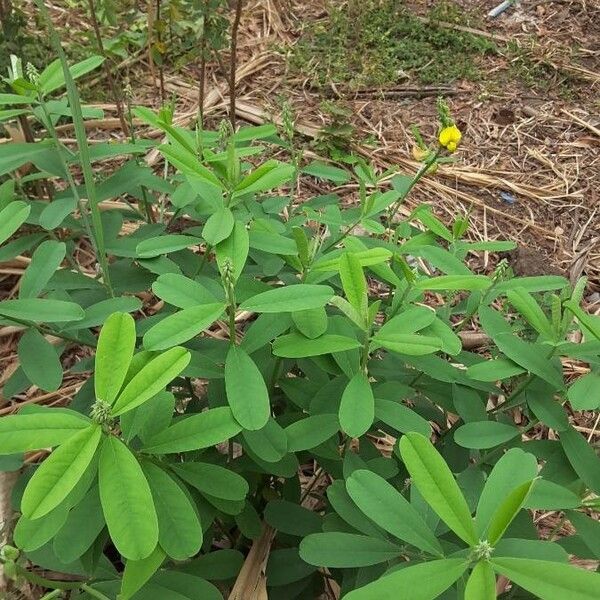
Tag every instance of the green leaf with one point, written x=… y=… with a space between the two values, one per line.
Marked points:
x=41 y=310
x=11 y=218
x=269 y=175
x=219 y=226
x=156 y=246
x=182 y=326
x=481 y=584
x=494 y=370
x=451 y=343
x=412 y=344
x=289 y=299
x=311 y=431
x=583 y=393
x=484 y=434
x=60 y=472
x=246 y=390
x=29 y=535
x=435 y=482
x=529 y=356
x=126 y=501
x=293 y=519
x=512 y=469
x=189 y=165
x=269 y=443
x=114 y=352
x=45 y=260
x=400 y=417
x=354 y=282
x=151 y=379
x=138 y=572
x=588 y=529
x=295 y=345
x=410 y=320
x=179 y=530
x=550 y=580
x=98 y=313
x=507 y=511
x=321 y=170
x=590 y=322
x=366 y=258
x=384 y=505
x=40 y=361
x=455 y=282
x=52 y=77
x=582 y=457
x=312 y=322
x=234 y=249
x=22 y=433
x=83 y=525
x=213 y=480
x=181 y=291
x=346 y=550
x=195 y=432
x=357 y=408
x=424 y=581
x=547 y=495
x=523 y=301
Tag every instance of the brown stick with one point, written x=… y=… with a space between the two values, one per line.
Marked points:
x=233 y=61
x=107 y=69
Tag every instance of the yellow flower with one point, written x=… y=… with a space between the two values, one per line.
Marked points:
x=450 y=137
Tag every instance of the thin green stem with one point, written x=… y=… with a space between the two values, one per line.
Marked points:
x=365 y=351
x=275 y=374
x=84 y=151
x=52 y=595
x=513 y=400
x=94 y=593
x=145 y=201
x=47 y=331
x=396 y=206
x=72 y=185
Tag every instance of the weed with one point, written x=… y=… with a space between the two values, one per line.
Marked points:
x=377 y=42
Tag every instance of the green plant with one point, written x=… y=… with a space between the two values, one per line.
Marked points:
x=374 y=42
x=288 y=338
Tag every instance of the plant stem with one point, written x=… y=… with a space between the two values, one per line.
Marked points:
x=47 y=331
x=396 y=206
x=275 y=374
x=72 y=185
x=94 y=593
x=233 y=61
x=107 y=69
x=512 y=401
x=365 y=351
x=84 y=151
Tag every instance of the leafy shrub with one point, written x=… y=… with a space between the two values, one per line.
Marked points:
x=285 y=350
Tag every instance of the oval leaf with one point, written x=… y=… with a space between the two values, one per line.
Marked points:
x=246 y=390
x=114 y=352
x=151 y=379
x=126 y=501
x=432 y=477
x=60 y=472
